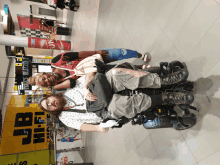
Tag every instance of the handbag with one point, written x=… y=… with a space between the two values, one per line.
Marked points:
x=84 y=67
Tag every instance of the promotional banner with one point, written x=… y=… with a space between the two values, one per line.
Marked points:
x=24 y=129
x=48 y=44
x=69 y=158
x=24 y=22
x=68 y=138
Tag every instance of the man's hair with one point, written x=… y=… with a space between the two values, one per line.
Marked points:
x=55 y=113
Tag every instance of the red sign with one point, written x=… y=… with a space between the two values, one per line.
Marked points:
x=48 y=44
x=24 y=22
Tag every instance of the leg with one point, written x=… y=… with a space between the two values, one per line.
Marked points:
x=144 y=57
x=76 y=135
x=128 y=106
x=120 y=54
x=143 y=66
x=122 y=78
x=77 y=139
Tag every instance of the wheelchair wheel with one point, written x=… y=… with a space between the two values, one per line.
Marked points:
x=177 y=65
x=187 y=121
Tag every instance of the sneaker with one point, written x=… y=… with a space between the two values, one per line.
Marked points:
x=174 y=78
x=146 y=57
x=177 y=98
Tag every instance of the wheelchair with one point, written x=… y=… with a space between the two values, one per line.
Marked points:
x=164 y=116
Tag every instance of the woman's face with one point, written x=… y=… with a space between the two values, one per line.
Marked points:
x=53 y=103
x=47 y=80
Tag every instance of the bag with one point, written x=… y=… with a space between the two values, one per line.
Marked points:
x=85 y=66
x=102 y=89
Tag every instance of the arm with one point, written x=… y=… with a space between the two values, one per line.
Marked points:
x=84 y=54
x=62 y=85
x=88 y=79
x=69 y=56
x=92 y=128
x=88 y=95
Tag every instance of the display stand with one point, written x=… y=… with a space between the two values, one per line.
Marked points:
x=59 y=151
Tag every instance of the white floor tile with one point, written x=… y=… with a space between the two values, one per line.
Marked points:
x=140 y=13
x=119 y=40
x=123 y=11
x=162 y=46
x=206 y=53
x=111 y=24
x=130 y=15
x=153 y=7
x=151 y=37
x=164 y=12
x=133 y=159
x=146 y=151
x=142 y=30
x=210 y=81
x=126 y=150
x=179 y=17
x=156 y=161
x=212 y=160
x=163 y=138
x=203 y=141
x=201 y=20
x=138 y=135
x=178 y=153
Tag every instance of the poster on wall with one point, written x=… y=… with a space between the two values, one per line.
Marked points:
x=69 y=158
x=31 y=30
x=68 y=138
x=23 y=129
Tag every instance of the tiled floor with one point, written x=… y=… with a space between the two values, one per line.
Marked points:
x=186 y=30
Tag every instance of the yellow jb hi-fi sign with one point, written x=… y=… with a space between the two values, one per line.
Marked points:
x=23 y=129
x=29 y=158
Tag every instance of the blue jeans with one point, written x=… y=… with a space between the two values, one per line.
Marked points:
x=119 y=54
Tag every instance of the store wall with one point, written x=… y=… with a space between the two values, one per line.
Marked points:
x=21 y=7
x=3 y=70
x=4 y=59
x=38 y=52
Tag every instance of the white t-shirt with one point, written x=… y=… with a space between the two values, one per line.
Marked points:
x=74 y=119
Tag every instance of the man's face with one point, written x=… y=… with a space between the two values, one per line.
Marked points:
x=53 y=103
x=47 y=80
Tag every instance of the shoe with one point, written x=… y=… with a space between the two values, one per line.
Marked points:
x=146 y=57
x=177 y=98
x=174 y=78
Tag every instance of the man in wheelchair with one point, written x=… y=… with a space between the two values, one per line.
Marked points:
x=120 y=93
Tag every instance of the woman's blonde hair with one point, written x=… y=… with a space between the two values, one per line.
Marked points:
x=33 y=80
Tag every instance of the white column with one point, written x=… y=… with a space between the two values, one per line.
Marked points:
x=11 y=40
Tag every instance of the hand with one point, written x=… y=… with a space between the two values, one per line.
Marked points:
x=91 y=97
x=101 y=129
x=103 y=53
